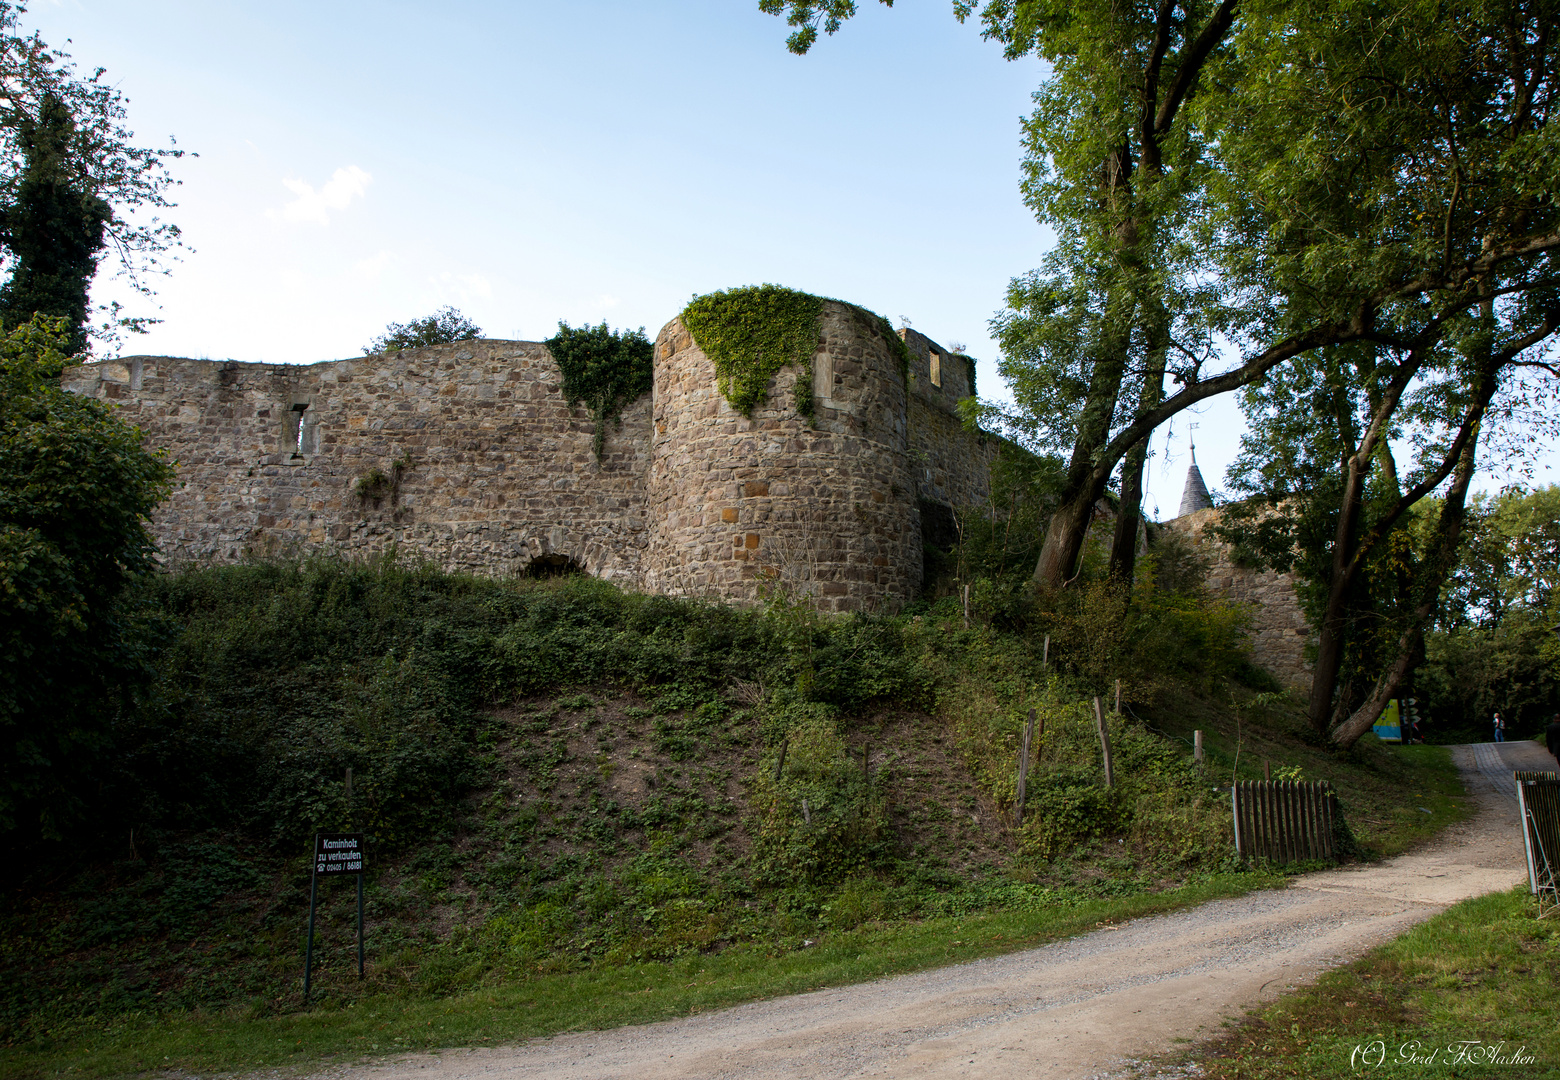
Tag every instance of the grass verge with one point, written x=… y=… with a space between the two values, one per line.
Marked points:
x=1472 y=992
x=207 y=1041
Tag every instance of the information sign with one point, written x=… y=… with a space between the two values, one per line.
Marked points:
x=334 y=853
x=338 y=853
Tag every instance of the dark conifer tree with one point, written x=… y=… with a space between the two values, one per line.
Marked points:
x=53 y=228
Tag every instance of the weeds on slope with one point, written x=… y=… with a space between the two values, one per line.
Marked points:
x=561 y=780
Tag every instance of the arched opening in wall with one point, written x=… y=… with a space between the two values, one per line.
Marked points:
x=551 y=566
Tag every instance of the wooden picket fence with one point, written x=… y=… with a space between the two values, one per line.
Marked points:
x=1284 y=821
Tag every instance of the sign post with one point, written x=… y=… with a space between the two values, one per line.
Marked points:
x=334 y=853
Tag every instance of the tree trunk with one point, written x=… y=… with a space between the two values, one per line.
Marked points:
x=1124 y=545
x=1069 y=526
x=1064 y=538
x=1332 y=630
x=1438 y=564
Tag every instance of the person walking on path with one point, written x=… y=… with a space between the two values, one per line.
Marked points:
x=1500 y=729
x=1552 y=737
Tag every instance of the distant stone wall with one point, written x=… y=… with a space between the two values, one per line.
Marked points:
x=488 y=469
x=1279 y=631
x=499 y=470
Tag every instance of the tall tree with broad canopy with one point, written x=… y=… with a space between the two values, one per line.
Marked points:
x=76 y=490
x=1400 y=162
x=74 y=187
x=1262 y=180
x=54 y=229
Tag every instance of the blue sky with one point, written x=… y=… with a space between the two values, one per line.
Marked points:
x=362 y=163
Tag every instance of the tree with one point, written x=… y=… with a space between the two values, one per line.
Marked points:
x=76 y=490
x=1283 y=192
x=1491 y=646
x=1415 y=189
x=74 y=185
x=54 y=229
x=442 y=327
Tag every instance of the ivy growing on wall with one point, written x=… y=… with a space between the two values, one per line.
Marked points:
x=603 y=369
x=750 y=333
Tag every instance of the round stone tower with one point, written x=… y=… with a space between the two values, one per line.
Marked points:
x=823 y=509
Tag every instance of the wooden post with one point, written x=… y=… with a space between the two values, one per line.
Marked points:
x=1023 y=764
x=1118 y=697
x=1099 y=720
x=781 y=763
x=1197 y=751
x=966 y=607
x=1267 y=770
x=1045 y=657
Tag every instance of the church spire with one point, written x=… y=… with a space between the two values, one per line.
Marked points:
x=1194 y=496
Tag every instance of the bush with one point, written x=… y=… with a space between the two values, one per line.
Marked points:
x=822 y=820
x=441 y=328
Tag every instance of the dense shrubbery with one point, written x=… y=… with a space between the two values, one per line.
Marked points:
x=76 y=488
x=484 y=721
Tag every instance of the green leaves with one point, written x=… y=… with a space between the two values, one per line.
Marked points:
x=751 y=333
x=76 y=490
x=604 y=369
x=443 y=327
x=808 y=15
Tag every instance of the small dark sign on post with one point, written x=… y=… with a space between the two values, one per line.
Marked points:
x=334 y=853
x=338 y=853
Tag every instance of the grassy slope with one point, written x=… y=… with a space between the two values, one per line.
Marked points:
x=608 y=838
x=234 y=1039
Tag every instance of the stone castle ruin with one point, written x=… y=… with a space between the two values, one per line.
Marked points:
x=470 y=455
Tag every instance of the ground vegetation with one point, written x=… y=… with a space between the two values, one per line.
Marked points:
x=564 y=784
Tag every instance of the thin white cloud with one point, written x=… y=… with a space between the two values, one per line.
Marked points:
x=463 y=286
x=338 y=192
x=375 y=266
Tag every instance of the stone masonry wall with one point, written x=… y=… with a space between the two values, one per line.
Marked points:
x=488 y=469
x=825 y=509
x=499 y=469
x=951 y=465
x=1279 y=630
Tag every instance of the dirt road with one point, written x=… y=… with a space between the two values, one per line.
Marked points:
x=1078 y=1008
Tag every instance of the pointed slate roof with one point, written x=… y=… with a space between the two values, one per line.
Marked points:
x=1194 y=496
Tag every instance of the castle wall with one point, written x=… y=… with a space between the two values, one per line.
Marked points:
x=826 y=509
x=484 y=467
x=1279 y=631
x=499 y=469
x=951 y=464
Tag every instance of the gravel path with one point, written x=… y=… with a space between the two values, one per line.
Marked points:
x=1080 y=1008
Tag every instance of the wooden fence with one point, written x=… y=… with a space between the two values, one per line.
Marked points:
x=1285 y=821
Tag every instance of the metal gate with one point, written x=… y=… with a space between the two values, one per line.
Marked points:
x=1538 y=796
